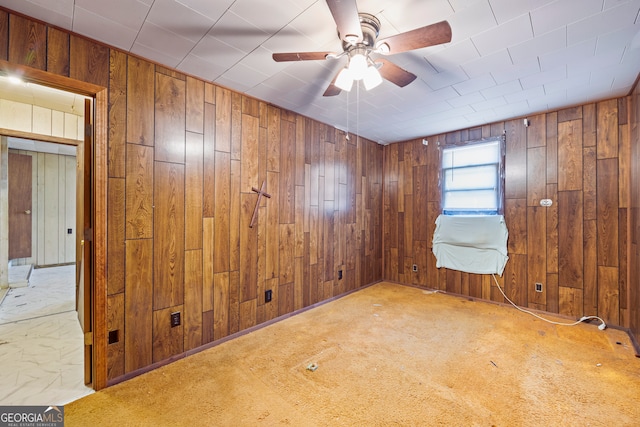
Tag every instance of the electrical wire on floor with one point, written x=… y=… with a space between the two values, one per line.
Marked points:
x=602 y=326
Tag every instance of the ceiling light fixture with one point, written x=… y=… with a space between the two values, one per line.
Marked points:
x=360 y=67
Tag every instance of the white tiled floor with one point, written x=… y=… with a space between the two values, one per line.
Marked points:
x=41 y=342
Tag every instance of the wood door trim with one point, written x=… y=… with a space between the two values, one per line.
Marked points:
x=99 y=171
x=39 y=137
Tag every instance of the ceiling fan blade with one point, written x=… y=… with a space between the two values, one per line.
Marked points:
x=345 y=13
x=300 y=56
x=395 y=74
x=332 y=89
x=430 y=35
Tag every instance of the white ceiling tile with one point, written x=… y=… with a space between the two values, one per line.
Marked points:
x=211 y=9
x=489 y=104
x=544 y=77
x=488 y=63
x=560 y=13
x=458 y=53
x=280 y=13
x=512 y=72
x=506 y=10
x=472 y=20
x=502 y=89
x=154 y=55
x=546 y=43
x=179 y=19
x=504 y=35
x=127 y=13
x=172 y=45
x=214 y=50
x=578 y=52
x=609 y=59
x=534 y=92
x=474 y=85
x=197 y=66
x=102 y=29
x=620 y=39
x=581 y=80
x=513 y=110
x=469 y=99
x=415 y=15
x=446 y=78
x=58 y=13
x=610 y=20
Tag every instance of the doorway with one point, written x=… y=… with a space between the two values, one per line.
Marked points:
x=83 y=173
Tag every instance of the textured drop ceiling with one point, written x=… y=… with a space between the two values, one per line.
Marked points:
x=507 y=58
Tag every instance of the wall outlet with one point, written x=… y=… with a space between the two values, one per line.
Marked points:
x=175 y=319
x=268 y=295
x=538 y=287
x=69 y=230
x=339 y=274
x=415 y=267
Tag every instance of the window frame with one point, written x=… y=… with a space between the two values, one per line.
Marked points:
x=500 y=166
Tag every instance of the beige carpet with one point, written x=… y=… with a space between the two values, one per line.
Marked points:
x=389 y=355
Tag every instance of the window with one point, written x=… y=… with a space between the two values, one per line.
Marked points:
x=472 y=178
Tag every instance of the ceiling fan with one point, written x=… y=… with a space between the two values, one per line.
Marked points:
x=359 y=35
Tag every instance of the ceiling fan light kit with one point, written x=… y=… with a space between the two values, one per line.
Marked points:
x=359 y=35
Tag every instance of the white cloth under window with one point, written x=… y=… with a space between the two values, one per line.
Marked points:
x=473 y=244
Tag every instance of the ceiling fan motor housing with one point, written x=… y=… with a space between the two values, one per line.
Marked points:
x=370 y=26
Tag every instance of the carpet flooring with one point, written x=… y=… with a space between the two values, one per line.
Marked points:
x=389 y=355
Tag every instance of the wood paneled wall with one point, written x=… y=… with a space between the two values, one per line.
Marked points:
x=577 y=248
x=183 y=157
x=634 y=214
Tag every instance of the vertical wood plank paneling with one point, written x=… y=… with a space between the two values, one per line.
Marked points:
x=139 y=304
x=570 y=155
x=273 y=139
x=589 y=183
x=168 y=232
x=208 y=254
x=552 y=148
x=194 y=105
x=27 y=42
x=607 y=211
x=221 y=300
x=116 y=235
x=117 y=114
x=249 y=153
x=515 y=160
x=140 y=101
x=590 y=268
x=4 y=35
x=607 y=129
x=222 y=212
x=570 y=237
x=223 y=120
x=167 y=341
x=589 y=125
x=287 y=174
x=193 y=191
x=57 y=51
x=249 y=253
x=536 y=182
x=169 y=119
x=89 y=61
x=234 y=217
x=208 y=159
x=537 y=253
x=139 y=192
x=115 y=322
x=192 y=299
x=608 y=294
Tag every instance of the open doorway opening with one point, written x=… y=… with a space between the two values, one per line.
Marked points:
x=43 y=131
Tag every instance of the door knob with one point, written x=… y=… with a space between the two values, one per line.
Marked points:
x=28 y=212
